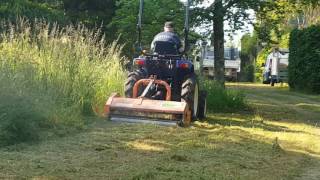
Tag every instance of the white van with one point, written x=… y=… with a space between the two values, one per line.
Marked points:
x=231 y=63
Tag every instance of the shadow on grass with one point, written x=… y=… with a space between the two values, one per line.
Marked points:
x=247 y=124
x=250 y=119
x=288 y=112
x=280 y=104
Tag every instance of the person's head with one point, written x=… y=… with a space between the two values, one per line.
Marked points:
x=168 y=26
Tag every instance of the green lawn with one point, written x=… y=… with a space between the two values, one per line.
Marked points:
x=278 y=137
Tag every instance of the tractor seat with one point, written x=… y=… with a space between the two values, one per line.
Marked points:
x=165 y=48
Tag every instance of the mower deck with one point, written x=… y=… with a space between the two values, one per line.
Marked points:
x=147 y=111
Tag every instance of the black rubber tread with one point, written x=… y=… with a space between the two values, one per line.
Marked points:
x=202 y=105
x=133 y=77
x=187 y=93
x=272 y=82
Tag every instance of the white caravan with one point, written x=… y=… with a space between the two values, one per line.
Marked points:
x=276 y=67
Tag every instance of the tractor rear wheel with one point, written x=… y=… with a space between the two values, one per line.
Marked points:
x=133 y=77
x=190 y=95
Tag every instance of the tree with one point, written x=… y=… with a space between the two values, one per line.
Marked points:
x=308 y=12
x=92 y=13
x=155 y=14
x=280 y=17
x=234 y=11
x=275 y=20
x=311 y=14
x=31 y=9
x=248 y=55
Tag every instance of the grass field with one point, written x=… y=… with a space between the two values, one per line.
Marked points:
x=278 y=137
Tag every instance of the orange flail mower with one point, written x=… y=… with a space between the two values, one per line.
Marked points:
x=144 y=110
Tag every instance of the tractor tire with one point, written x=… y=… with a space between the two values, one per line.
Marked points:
x=190 y=95
x=133 y=77
x=202 y=108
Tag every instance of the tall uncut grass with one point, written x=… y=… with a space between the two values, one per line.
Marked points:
x=220 y=99
x=51 y=77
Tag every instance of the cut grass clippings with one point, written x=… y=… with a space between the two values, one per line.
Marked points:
x=243 y=145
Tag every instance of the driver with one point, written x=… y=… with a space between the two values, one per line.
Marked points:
x=167 y=42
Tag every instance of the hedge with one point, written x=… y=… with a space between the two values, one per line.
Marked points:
x=304 y=60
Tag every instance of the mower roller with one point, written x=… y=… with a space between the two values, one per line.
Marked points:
x=162 y=89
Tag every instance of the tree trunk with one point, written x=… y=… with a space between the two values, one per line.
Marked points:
x=218 y=41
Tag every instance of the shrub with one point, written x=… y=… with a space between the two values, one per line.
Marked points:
x=304 y=59
x=262 y=56
x=53 y=76
x=19 y=119
x=249 y=73
x=220 y=99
